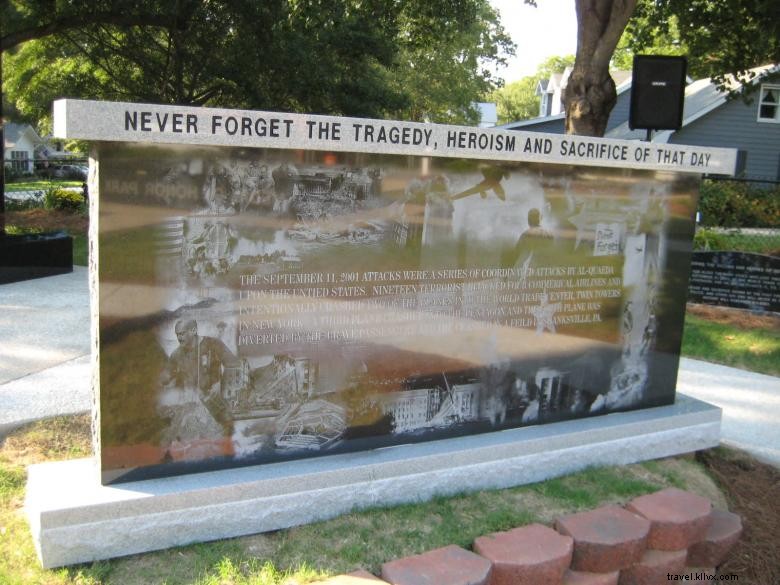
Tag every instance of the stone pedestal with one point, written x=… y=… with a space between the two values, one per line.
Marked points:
x=74 y=519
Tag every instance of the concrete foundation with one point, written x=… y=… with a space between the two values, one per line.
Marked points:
x=74 y=519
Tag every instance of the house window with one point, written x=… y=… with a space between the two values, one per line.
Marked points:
x=19 y=160
x=769 y=104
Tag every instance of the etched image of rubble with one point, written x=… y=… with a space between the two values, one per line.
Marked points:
x=312 y=206
x=326 y=203
x=232 y=186
x=279 y=408
x=499 y=394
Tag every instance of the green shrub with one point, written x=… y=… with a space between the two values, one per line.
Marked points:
x=707 y=239
x=736 y=204
x=56 y=198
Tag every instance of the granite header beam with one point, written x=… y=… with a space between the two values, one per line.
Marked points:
x=129 y=122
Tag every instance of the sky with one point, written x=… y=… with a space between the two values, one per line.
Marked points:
x=548 y=30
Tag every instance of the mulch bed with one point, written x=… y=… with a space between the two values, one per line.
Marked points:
x=741 y=318
x=753 y=491
x=48 y=220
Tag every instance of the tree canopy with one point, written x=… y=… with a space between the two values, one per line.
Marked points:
x=410 y=58
x=518 y=100
x=720 y=38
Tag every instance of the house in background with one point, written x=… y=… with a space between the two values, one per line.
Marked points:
x=488 y=114
x=26 y=151
x=552 y=117
x=21 y=142
x=710 y=118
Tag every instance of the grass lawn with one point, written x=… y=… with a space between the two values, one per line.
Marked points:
x=733 y=338
x=362 y=539
x=39 y=185
x=763 y=244
x=80 y=248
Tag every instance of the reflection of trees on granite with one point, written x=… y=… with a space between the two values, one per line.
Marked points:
x=130 y=368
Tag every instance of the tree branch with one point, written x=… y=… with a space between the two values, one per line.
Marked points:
x=64 y=23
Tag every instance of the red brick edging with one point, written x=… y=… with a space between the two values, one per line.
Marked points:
x=670 y=531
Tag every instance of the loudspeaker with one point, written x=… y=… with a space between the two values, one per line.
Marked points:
x=657 y=92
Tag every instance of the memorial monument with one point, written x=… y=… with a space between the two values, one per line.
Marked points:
x=278 y=296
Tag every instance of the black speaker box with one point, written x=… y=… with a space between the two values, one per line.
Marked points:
x=657 y=92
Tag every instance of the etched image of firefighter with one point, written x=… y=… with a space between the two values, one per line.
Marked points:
x=217 y=404
x=200 y=373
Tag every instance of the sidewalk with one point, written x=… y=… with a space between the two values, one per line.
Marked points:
x=44 y=353
x=45 y=369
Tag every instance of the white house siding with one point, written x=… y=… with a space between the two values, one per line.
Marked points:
x=734 y=125
x=18 y=140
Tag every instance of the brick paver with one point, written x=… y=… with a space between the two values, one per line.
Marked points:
x=654 y=567
x=678 y=518
x=606 y=539
x=722 y=535
x=450 y=565
x=530 y=555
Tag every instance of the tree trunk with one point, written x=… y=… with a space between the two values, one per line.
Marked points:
x=590 y=92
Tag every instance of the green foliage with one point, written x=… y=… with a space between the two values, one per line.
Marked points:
x=12 y=174
x=66 y=200
x=646 y=36
x=719 y=37
x=11 y=483
x=708 y=239
x=518 y=100
x=736 y=240
x=32 y=184
x=739 y=204
x=417 y=59
x=443 y=72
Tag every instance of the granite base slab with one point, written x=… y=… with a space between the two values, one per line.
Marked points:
x=74 y=519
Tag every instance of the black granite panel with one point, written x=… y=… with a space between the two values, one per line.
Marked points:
x=736 y=279
x=23 y=257
x=263 y=305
